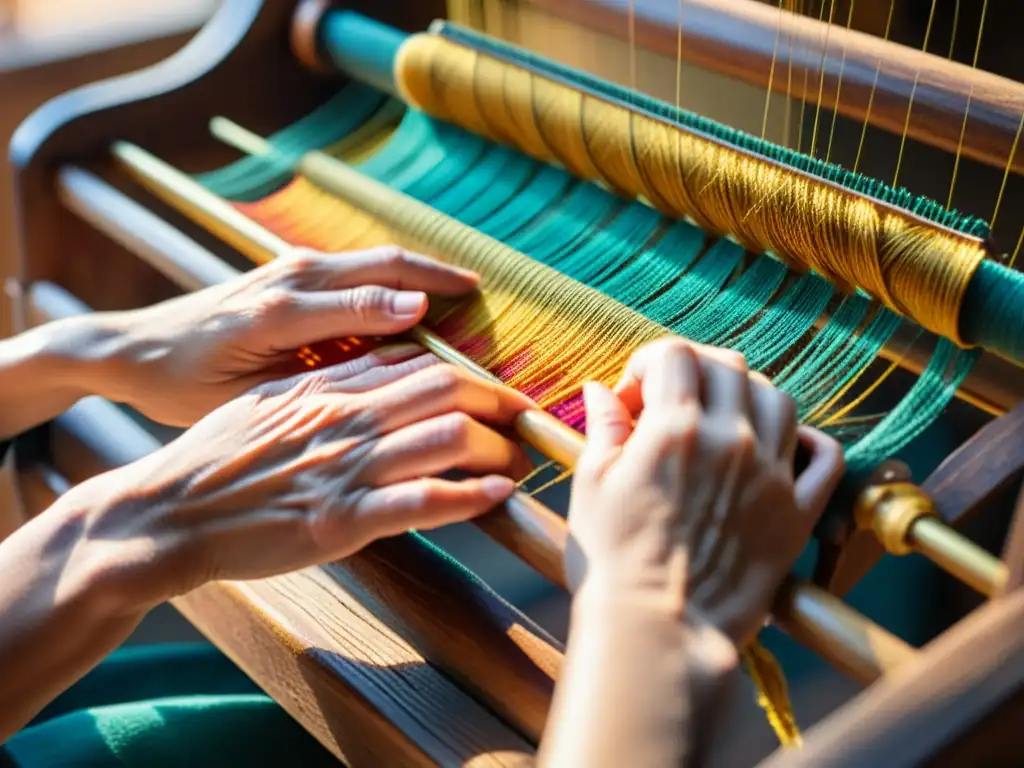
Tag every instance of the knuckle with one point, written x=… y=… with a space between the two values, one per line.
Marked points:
x=742 y=441
x=672 y=346
x=366 y=300
x=455 y=430
x=425 y=495
x=444 y=380
x=277 y=303
x=395 y=258
x=681 y=422
x=733 y=359
x=300 y=263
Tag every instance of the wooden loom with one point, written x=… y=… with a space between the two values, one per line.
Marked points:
x=398 y=656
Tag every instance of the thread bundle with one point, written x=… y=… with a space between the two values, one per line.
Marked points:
x=913 y=267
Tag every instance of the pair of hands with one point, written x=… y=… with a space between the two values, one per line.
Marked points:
x=685 y=495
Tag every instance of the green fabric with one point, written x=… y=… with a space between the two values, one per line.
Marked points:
x=154 y=706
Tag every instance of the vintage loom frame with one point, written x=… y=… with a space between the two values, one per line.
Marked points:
x=395 y=653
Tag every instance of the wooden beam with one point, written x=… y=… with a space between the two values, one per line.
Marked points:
x=743 y=38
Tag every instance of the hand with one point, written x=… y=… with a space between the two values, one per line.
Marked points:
x=695 y=510
x=178 y=360
x=301 y=472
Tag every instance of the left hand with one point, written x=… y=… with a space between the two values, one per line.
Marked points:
x=178 y=360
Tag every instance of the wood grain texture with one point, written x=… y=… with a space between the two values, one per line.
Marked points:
x=353 y=682
x=738 y=38
x=364 y=684
x=971 y=675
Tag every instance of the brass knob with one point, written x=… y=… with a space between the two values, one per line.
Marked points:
x=890 y=510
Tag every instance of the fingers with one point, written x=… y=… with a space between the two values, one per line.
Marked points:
x=428 y=503
x=296 y=319
x=672 y=371
x=374 y=369
x=663 y=373
x=774 y=417
x=388 y=266
x=453 y=441
x=374 y=378
x=818 y=482
x=726 y=382
x=609 y=423
x=443 y=389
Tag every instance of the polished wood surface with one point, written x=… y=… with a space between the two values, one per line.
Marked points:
x=741 y=38
x=973 y=670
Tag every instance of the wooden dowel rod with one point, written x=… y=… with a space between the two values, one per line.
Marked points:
x=744 y=39
x=813 y=616
x=531 y=533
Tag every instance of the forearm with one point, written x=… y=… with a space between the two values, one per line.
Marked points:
x=639 y=687
x=45 y=370
x=58 y=616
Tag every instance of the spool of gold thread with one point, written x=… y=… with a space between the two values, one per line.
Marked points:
x=918 y=270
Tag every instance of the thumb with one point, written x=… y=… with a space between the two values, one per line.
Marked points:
x=368 y=310
x=609 y=424
x=820 y=479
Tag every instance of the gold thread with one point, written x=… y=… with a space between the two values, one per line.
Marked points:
x=967 y=108
x=913 y=92
x=871 y=95
x=915 y=270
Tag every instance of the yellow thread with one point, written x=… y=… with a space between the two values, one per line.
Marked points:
x=1020 y=240
x=839 y=85
x=821 y=79
x=562 y=476
x=524 y=309
x=771 y=73
x=803 y=95
x=1006 y=172
x=787 y=118
x=773 y=694
x=534 y=473
x=956 y=22
x=913 y=268
x=838 y=417
x=874 y=87
x=913 y=92
x=970 y=95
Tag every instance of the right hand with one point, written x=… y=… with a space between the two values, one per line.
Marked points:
x=695 y=510
x=301 y=472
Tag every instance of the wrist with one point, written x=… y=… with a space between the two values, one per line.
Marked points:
x=81 y=353
x=93 y=585
x=612 y=610
x=114 y=565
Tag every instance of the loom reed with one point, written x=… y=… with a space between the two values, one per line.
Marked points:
x=853 y=642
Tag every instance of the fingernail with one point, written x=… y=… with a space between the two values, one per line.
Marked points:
x=408 y=303
x=497 y=488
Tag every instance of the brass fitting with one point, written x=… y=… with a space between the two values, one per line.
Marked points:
x=890 y=509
